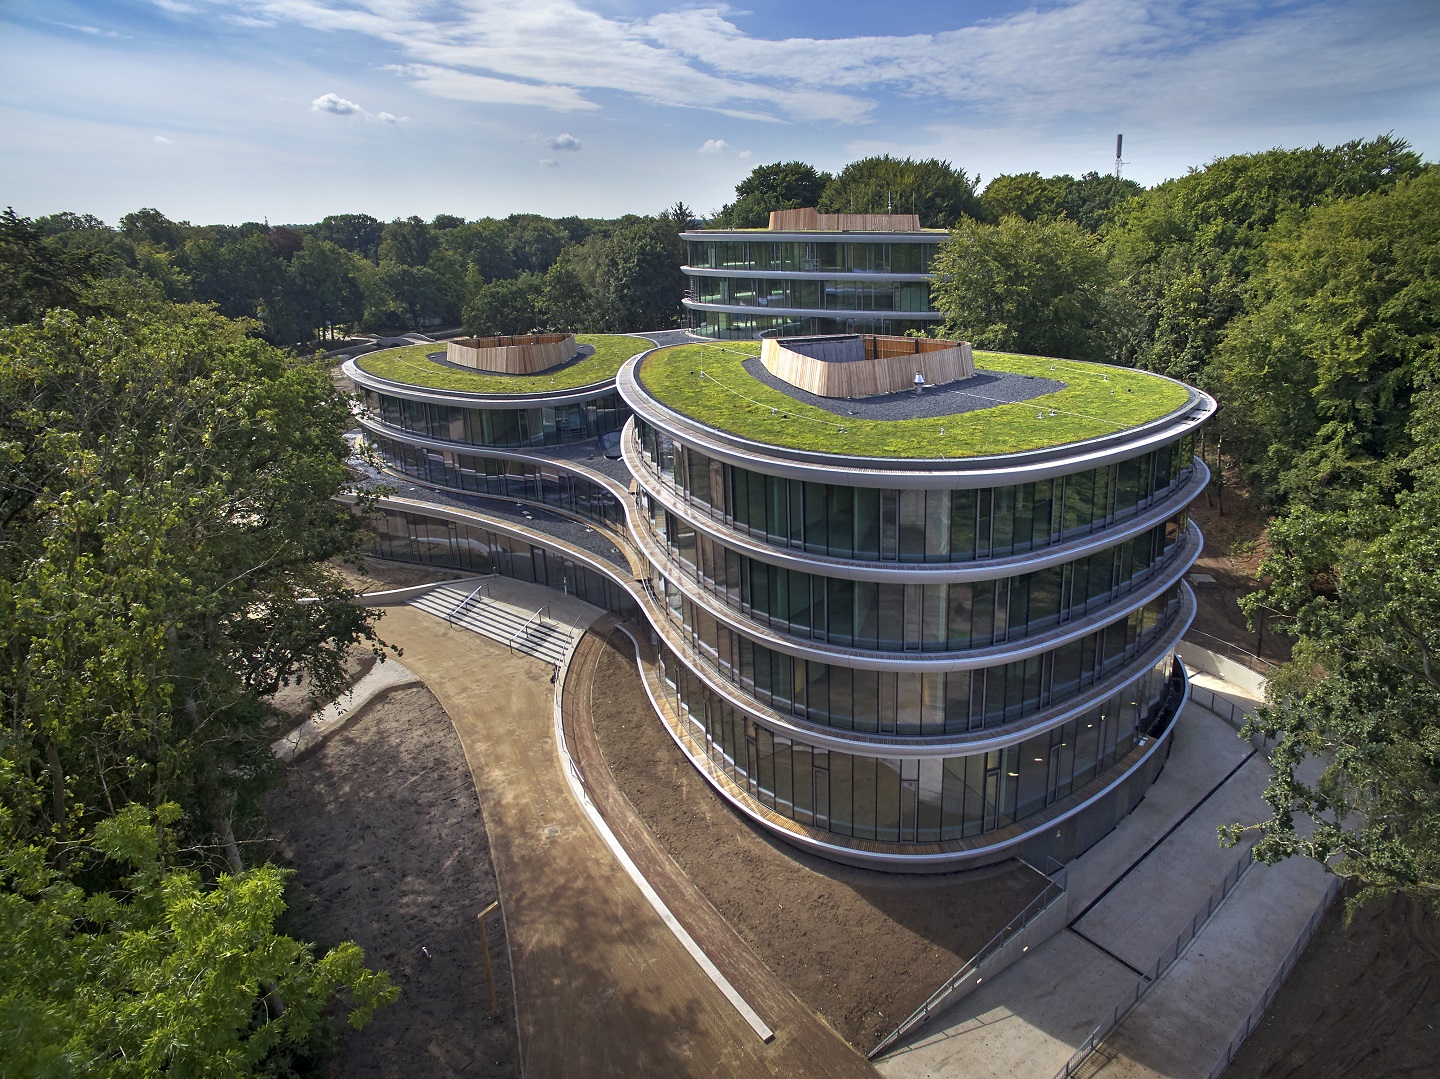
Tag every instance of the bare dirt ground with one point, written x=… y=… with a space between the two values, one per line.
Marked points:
x=1234 y=546
x=860 y=948
x=383 y=826
x=1363 y=1002
x=379 y=574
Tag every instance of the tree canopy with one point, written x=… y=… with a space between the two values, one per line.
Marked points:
x=937 y=191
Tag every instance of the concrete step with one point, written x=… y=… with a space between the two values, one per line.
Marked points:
x=499 y=621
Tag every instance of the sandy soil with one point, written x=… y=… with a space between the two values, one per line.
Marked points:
x=384 y=829
x=1234 y=546
x=379 y=574
x=862 y=949
x=1363 y=1002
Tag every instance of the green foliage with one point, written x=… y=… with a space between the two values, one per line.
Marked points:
x=357 y=233
x=785 y=185
x=1031 y=286
x=161 y=975
x=1027 y=195
x=409 y=364
x=505 y=307
x=410 y=242
x=708 y=384
x=37 y=274
x=1184 y=250
x=1360 y=701
x=935 y=190
x=1318 y=378
x=166 y=501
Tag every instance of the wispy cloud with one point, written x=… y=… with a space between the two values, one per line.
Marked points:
x=93 y=31
x=340 y=106
x=164 y=141
x=1047 y=65
x=549 y=162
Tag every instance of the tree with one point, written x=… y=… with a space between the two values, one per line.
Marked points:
x=152 y=227
x=1091 y=200
x=324 y=287
x=1025 y=286
x=1318 y=379
x=1185 y=250
x=166 y=501
x=634 y=275
x=36 y=274
x=785 y=185
x=1361 y=697
x=505 y=307
x=565 y=302
x=358 y=233
x=407 y=243
x=159 y=975
x=1027 y=195
x=535 y=242
x=485 y=245
x=935 y=190
x=417 y=291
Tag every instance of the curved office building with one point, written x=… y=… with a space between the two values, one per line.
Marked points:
x=916 y=631
x=812 y=273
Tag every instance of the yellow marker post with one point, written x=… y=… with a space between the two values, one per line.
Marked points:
x=485 y=946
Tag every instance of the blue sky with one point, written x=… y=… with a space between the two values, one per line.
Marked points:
x=234 y=110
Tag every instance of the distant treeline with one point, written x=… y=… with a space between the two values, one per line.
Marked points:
x=353 y=272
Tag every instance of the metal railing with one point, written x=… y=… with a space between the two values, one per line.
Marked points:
x=1249 y=1023
x=1052 y=893
x=1153 y=973
x=455 y=611
x=1231 y=713
x=1232 y=652
x=537 y=618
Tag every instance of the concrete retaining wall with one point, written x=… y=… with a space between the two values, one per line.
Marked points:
x=1237 y=674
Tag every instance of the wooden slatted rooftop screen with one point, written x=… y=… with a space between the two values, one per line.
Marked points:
x=865 y=365
x=809 y=219
x=522 y=354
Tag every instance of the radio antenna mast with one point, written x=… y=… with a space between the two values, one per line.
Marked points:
x=1119 y=142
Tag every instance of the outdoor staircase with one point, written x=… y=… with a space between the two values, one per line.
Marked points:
x=531 y=632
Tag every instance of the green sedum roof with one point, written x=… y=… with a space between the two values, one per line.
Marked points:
x=708 y=384
x=409 y=365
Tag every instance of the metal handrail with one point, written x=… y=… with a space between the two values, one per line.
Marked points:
x=455 y=611
x=1211 y=643
x=526 y=627
x=1032 y=910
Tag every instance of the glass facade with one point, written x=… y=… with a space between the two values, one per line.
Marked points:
x=911 y=296
x=732 y=326
x=915 y=617
x=919 y=799
x=760 y=255
x=531 y=480
x=435 y=541
x=542 y=425
x=923 y=703
x=915 y=526
x=848 y=290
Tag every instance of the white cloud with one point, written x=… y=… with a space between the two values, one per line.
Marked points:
x=744 y=155
x=338 y=105
x=93 y=31
x=549 y=162
x=163 y=140
x=715 y=146
x=334 y=103
x=564 y=141
x=1054 y=67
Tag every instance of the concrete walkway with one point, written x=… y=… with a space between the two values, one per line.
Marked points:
x=379 y=680
x=602 y=986
x=1132 y=894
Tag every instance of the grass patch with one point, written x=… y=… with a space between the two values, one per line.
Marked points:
x=707 y=384
x=409 y=365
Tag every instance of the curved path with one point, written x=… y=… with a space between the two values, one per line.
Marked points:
x=602 y=987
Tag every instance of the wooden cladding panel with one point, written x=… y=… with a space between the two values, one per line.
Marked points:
x=809 y=219
x=867 y=366
x=527 y=354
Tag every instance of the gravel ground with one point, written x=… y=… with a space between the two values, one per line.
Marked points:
x=981 y=390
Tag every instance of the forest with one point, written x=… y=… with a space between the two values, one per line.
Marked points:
x=170 y=451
